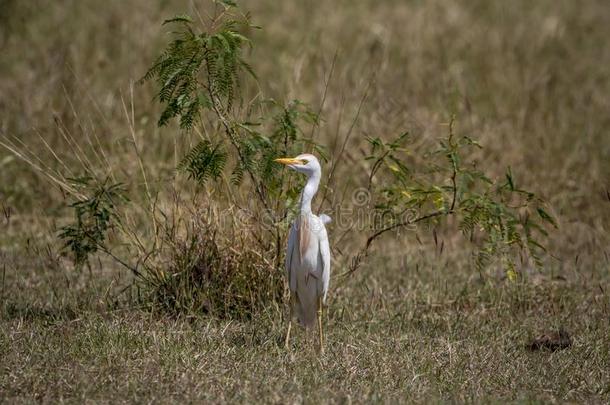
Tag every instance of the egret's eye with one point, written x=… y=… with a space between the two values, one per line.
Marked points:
x=304 y=161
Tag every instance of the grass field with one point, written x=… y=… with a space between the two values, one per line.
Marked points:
x=417 y=322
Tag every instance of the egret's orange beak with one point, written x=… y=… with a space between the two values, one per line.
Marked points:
x=289 y=161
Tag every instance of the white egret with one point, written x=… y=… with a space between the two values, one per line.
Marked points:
x=308 y=252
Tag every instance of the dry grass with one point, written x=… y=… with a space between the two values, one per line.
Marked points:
x=406 y=336
x=529 y=81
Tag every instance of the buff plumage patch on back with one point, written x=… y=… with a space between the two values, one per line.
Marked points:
x=304 y=235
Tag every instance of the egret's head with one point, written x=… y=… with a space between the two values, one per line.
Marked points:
x=305 y=163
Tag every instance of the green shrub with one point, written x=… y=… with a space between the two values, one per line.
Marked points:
x=503 y=220
x=199 y=82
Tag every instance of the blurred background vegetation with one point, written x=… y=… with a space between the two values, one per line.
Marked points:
x=529 y=81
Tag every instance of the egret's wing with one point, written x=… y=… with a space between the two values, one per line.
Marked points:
x=324 y=262
x=292 y=239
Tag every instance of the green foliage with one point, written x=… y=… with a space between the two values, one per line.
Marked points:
x=267 y=139
x=200 y=70
x=93 y=217
x=198 y=80
x=496 y=215
x=204 y=162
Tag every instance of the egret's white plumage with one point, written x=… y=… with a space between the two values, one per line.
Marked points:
x=325 y=219
x=308 y=266
x=308 y=252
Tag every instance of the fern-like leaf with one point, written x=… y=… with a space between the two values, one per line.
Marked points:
x=204 y=162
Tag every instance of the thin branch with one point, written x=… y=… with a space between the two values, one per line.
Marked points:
x=376 y=167
x=315 y=125
x=134 y=270
x=453 y=165
x=401 y=224
x=345 y=141
x=231 y=133
x=360 y=256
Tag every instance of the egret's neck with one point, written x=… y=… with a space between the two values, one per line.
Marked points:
x=310 y=190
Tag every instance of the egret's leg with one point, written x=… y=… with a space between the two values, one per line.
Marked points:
x=287 y=340
x=321 y=335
